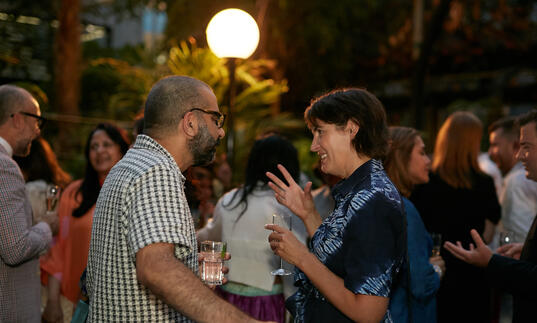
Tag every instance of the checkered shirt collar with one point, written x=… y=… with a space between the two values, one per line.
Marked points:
x=146 y=142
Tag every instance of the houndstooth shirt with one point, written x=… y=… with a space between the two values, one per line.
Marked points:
x=141 y=202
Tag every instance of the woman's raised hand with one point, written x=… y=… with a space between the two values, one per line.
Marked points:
x=290 y=194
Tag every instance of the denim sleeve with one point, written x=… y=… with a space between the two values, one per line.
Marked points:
x=424 y=281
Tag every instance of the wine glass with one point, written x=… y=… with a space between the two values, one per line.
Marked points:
x=284 y=221
x=53 y=195
x=437 y=243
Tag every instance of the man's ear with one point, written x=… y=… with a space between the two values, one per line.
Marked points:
x=189 y=124
x=17 y=121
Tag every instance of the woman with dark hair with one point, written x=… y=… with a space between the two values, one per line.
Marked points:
x=458 y=198
x=41 y=169
x=356 y=253
x=407 y=165
x=239 y=217
x=67 y=258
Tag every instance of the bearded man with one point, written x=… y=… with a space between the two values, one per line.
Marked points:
x=143 y=262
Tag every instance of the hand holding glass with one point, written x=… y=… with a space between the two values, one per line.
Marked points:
x=53 y=195
x=284 y=221
x=437 y=243
x=214 y=253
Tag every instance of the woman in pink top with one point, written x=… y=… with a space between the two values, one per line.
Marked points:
x=67 y=259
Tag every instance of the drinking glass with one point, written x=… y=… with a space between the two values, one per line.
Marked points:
x=53 y=195
x=437 y=243
x=214 y=253
x=506 y=237
x=284 y=221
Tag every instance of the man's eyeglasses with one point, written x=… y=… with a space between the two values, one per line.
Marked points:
x=40 y=120
x=219 y=117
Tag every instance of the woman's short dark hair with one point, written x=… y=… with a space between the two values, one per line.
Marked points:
x=90 y=187
x=264 y=157
x=339 y=106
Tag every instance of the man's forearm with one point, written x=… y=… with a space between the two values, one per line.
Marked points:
x=178 y=286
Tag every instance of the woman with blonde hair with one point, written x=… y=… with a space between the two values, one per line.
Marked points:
x=459 y=197
x=408 y=165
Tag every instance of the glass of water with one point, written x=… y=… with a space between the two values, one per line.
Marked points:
x=284 y=221
x=214 y=253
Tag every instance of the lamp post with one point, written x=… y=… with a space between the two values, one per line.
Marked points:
x=232 y=34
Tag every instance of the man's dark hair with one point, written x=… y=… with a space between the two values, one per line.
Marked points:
x=168 y=101
x=509 y=125
x=528 y=118
x=339 y=106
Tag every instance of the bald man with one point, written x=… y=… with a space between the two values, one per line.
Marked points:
x=20 y=242
x=143 y=263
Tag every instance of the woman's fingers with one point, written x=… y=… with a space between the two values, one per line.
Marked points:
x=277 y=190
x=281 y=185
x=275 y=228
x=286 y=175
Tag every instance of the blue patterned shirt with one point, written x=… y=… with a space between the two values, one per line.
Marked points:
x=363 y=242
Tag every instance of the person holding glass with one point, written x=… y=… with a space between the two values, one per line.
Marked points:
x=356 y=253
x=408 y=165
x=67 y=259
x=239 y=217
x=457 y=198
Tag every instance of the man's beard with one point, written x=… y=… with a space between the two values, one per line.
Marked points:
x=203 y=146
x=22 y=149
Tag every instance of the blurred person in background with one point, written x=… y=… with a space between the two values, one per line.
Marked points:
x=518 y=196
x=41 y=169
x=459 y=197
x=240 y=216
x=67 y=259
x=408 y=165
x=21 y=241
x=200 y=199
x=514 y=267
x=322 y=196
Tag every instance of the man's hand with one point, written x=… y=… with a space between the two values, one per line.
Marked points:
x=478 y=256
x=511 y=250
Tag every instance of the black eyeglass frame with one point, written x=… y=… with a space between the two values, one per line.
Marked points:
x=220 y=117
x=40 y=120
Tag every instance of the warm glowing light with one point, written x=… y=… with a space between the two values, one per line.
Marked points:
x=232 y=33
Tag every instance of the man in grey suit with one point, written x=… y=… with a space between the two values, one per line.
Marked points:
x=20 y=242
